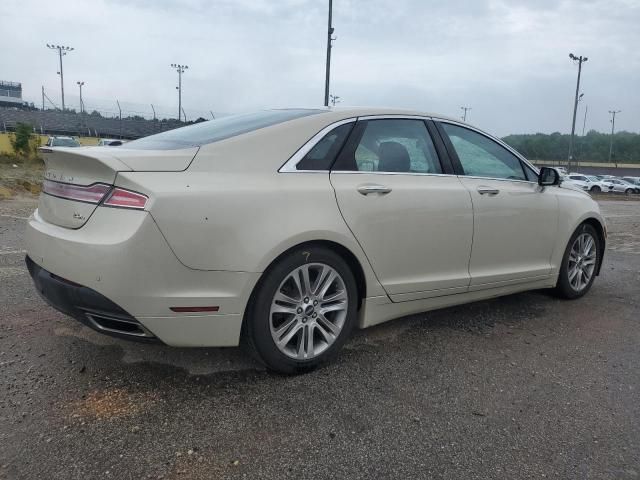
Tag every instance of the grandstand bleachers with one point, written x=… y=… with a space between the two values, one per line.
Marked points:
x=69 y=123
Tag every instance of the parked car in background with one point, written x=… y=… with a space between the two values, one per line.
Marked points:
x=289 y=228
x=633 y=180
x=578 y=180
x=62 y=141
x=592 y=184
x=603 y=185
x=622 y=186
x=103 y=142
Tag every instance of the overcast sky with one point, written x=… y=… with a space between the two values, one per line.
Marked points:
x=508 y=60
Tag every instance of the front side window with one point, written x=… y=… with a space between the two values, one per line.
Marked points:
x=482 y=157
x=390 y=145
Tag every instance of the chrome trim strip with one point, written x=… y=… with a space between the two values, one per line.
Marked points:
x=416 y=174
x=290 y=165
x=392 y=116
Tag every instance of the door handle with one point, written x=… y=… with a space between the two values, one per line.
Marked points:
x=368 y=189
x=488 y=191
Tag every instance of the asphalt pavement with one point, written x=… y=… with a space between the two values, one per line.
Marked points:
x=524 y=386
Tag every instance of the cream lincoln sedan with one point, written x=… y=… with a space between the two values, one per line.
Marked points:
x=285 y=229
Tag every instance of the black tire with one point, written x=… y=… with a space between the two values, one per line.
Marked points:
x=628 y=191
x=564 y=288
x=257 y=330
x=596 y=189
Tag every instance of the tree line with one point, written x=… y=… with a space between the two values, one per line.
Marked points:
x=593 y=147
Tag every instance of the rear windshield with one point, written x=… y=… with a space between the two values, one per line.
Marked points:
x=219 y=129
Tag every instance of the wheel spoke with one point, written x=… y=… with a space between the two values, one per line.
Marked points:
x=306 y=284
x=284 y=341
x=327 y=283
x=321 y=278
x=282 y=330
x=327 y=327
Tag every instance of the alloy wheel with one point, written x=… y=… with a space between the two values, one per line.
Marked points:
x=582 y=261
x=308 y=311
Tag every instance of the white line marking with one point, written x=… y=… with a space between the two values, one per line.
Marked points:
x=14 y=216
x=12 y=252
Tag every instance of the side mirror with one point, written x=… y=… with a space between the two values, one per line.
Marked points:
x=548 y=177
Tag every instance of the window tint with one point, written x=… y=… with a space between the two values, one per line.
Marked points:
x=392 y=146
x=219 y=129
x=482 y=157
x=322 y=155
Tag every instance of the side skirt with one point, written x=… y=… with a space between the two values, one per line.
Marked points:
x=377 y=310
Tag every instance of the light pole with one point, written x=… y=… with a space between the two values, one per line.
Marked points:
x=330 y=40
x=613 y=126
x=62 y=50
x=580 y=61
x=334 y=99
x=80 y=84
x=464 y=115
x=180 y=69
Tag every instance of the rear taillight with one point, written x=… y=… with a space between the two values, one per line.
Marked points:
x=114 y=197
x=121 y=198
x=89 y=194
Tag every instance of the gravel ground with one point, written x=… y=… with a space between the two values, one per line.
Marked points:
x=526 y=386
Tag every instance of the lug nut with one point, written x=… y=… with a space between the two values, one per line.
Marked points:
x=306 y=299
x=314 y=315
x=315 y=302
x=299 y=310
x=304 y=320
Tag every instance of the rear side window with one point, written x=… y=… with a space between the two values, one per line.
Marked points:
x=219 y=129
x=482 y=157
x=322 y=155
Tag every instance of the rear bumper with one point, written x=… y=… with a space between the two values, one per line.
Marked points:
x=119 y=264
x=86 y=305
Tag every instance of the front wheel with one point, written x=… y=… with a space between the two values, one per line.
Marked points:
x=596 y=189
x=581 y=258
x=628 y=191
x=303 y=311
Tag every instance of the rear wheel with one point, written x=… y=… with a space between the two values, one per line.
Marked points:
x=596 y=189
x=303 y=311
x=581 y=258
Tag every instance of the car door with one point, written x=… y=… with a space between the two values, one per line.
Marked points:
x=515 y=220
x=412 y=217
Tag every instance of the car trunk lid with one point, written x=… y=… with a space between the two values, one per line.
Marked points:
x=76 y=180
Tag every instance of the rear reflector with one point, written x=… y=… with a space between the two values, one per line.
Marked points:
x=122 y=198
x=89 y=194
x=194 y=309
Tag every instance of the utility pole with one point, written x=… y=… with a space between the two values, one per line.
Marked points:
x=43 y=98
x=584 y=123
x=120 y=115
x=330 y=40
x=180 y=69
x=334 y=99
x=580 y=61
x=613 y=126
x=184 y=115
x=154 y=112
x=62 y=50
x=464 y=115
x=213 y=117
x=80 y=84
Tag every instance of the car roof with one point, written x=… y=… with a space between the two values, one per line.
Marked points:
x=348 y=112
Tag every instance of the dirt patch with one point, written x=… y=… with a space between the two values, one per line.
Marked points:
x=20 y=178
x=114 y=403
